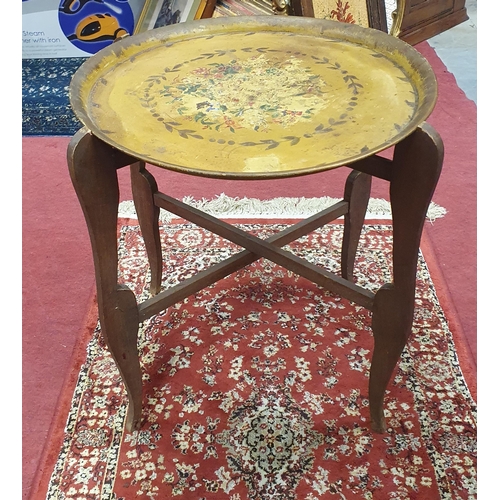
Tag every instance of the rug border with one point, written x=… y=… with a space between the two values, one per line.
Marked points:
x=462 y=348
x=55 y=434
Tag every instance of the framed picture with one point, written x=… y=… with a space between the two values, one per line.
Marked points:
x=368 y=13
x=158 y=13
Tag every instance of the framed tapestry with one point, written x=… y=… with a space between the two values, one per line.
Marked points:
x=369 y=13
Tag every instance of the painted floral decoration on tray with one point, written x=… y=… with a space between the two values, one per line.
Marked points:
x=251 y=94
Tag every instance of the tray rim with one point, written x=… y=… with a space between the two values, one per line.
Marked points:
x=379 y=41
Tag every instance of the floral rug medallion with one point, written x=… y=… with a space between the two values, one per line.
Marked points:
x=270 y=441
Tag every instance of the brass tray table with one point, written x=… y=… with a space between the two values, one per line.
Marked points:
x=261 y=97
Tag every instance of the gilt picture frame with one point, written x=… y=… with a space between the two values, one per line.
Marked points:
x=158 y=13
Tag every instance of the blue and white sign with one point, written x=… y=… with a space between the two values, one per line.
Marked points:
x=75 y=28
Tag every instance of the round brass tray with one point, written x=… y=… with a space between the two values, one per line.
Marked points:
x=254 y=97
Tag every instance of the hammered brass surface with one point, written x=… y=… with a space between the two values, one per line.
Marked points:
x=260 y=97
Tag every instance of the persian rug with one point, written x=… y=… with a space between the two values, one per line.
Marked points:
x=45 y=99
x=257 y=387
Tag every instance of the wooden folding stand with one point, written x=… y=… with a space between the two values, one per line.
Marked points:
x=97 y=151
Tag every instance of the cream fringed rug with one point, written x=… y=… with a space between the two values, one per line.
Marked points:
x=277 y=208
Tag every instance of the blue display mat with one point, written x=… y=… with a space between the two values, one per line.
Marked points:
x=45 y=98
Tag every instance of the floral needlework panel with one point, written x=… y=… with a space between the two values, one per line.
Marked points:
x=257 y=388
x=351 y=11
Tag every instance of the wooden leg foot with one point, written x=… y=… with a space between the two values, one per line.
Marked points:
x=391 y=324
x=120 y=326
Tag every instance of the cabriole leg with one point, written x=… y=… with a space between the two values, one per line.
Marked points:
x=143 y=189
x=93 y=165
x=415 y=172
x=357 y=193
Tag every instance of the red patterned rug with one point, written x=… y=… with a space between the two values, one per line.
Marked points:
x=257 y=388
